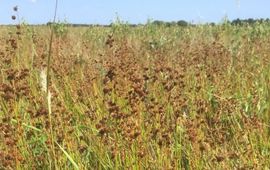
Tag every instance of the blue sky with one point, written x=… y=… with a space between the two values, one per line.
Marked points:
x=133 y=11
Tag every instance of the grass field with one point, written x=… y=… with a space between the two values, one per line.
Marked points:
x=147 y=97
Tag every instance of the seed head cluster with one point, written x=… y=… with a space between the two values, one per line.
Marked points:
x=135 y=100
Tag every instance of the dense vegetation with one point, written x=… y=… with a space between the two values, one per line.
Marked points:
x=181 y=23
x=146 y=97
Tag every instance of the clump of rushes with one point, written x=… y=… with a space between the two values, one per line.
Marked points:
x=114 y=103
x=49 y=98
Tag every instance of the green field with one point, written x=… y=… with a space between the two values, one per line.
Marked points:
x=146 y=97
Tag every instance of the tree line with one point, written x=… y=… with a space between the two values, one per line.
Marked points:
x=182 y=23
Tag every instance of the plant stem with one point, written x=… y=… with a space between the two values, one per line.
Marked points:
x=48 y=84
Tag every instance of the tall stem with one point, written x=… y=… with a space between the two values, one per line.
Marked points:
x=50 y=47
x=48 y=85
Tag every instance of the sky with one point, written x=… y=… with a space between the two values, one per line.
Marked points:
x=132 y=11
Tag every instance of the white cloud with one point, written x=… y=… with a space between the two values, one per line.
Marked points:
x=34 y=1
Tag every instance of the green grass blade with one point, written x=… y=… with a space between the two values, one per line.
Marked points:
x=26 y=125
x=68 y=156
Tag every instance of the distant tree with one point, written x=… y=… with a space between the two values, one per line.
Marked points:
x=182 y=23
x=157 y=22
x=251 y=21
x=49 y=23
x=237 y=22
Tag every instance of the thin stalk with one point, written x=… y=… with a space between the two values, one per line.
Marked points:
x=48 y=84
x=50 y=47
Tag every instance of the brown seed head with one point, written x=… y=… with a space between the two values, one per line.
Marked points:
x=15 y=8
